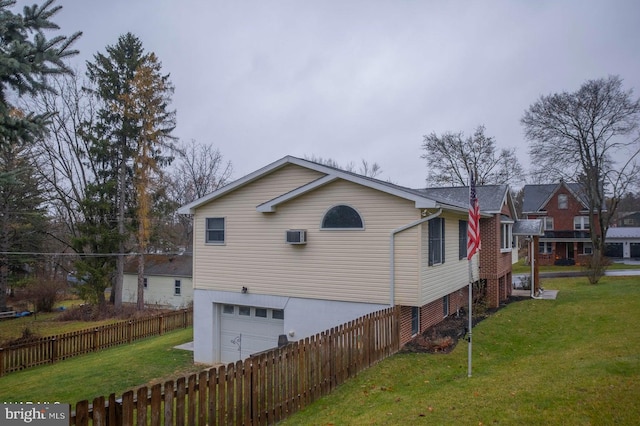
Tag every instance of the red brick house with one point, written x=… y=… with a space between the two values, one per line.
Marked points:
x=564 y=211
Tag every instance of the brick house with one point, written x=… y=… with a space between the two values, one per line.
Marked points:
x=564 y=212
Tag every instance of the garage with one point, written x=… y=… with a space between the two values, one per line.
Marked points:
x=246 y=330
x=614 y=250
x=635 y=250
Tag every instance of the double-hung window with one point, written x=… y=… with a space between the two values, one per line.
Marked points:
x=215 y=230
x=581 y=223
x=548 y=223
x=462 y=239
x=506 y=236
x=563 y=201
x=177 y=287
x=436 y=241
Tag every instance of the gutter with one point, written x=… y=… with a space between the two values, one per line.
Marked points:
x=392 y=256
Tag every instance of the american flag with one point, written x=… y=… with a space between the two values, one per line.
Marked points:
x=473 y=228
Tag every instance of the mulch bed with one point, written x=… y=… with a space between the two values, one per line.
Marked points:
x=443 y=337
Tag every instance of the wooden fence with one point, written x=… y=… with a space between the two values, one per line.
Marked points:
x=47 y=350
x=262 y=389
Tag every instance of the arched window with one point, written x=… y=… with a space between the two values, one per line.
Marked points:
x=342 y=217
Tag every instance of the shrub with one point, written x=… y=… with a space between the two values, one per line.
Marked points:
x=43 y=293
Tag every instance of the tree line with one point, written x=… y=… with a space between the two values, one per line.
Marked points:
x=89 y=168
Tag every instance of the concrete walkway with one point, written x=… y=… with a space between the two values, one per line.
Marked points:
x=546 y=294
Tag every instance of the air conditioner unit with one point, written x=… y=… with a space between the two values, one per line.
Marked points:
x=296 y=236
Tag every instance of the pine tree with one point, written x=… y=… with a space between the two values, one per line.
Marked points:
x=26 y=58
x=132 y=123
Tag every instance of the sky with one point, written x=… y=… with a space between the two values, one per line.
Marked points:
x=354 y=80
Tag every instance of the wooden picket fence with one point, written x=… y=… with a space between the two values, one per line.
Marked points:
x=262 y=389
x=50 y=349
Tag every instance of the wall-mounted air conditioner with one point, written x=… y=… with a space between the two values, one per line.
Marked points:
x=296 y=236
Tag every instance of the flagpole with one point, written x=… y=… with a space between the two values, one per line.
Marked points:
x=470 y=315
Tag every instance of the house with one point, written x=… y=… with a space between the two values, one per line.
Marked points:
x=496 y=232
x=296 y=248
x=628 y=219
x=167 y=280
x=623 y=243
x=564 y=212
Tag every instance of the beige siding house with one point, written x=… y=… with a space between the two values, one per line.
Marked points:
x=167 y=278
x=296 y=248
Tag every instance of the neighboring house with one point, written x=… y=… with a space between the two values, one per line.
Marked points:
x=167 y=280
x=623 y=243
x=564 y=212
x=628 y=219
x=296 y=248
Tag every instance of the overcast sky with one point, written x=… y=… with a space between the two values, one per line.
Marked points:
x=352 y=80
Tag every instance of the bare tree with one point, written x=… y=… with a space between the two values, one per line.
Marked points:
x=589 y=136
x=450 y=157
x=199 y=170
x=366 y=168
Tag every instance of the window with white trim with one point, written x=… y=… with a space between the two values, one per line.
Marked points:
x=563 y=201
x=214 y=233
x=587 y=248
x=145 y=282
x=445 y=306
x=506 y=236
x=548 y=223
x=462 y=239
x=342 y=217
x=544 y=247
x=581 y=223
x=415 y=320
x=436 y=241
x=177 y=287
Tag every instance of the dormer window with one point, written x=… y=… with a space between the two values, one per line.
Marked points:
x=563 y=202
x=342 y=217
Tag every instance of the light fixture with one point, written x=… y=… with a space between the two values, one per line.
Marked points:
x=244 y=290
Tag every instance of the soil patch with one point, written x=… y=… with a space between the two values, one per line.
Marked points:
x=444 y=336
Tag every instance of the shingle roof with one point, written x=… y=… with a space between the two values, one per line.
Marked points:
x=490 y=197
x=536 y=196
x=162 y=264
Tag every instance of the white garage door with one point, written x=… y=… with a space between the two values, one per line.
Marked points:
x=245 y=330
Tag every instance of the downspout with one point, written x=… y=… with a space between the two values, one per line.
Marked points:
x=392 y=284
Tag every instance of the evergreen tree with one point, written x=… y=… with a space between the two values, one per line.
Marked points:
x=22 y=219
x=26 y=58
x=126 y=140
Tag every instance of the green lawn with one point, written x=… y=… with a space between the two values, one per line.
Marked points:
x=102 y=373
x=570 y=361
x=521 y=268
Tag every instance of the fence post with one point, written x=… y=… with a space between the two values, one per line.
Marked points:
x=95 y=339
x=54 y=348
x=160 y=325
x=129 y=331
x=1 y=362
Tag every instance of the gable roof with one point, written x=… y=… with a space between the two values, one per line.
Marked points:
x=491 y=196
x=537 y=196
x=162 y=264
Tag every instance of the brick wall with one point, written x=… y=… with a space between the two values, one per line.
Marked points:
x=431 y=313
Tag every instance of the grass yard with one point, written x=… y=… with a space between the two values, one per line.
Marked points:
x=522 y=268
x=570 y=361
x=113 y=370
